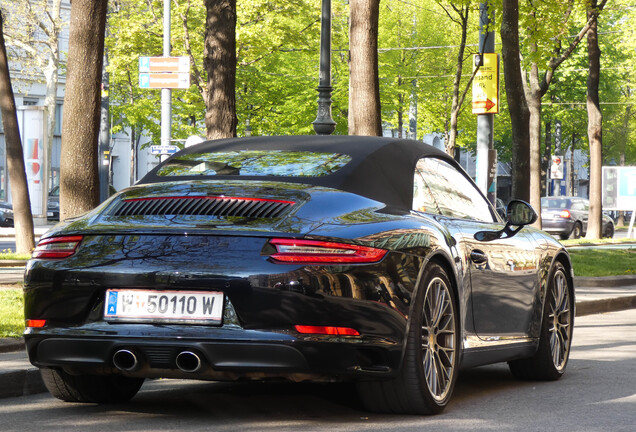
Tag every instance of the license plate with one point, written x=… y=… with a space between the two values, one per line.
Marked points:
x=193 y=307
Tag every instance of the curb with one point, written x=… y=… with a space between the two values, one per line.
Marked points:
x=605 y=281
x=592 y=307
x=11 y=345
x=12 y=263
x=21 y=383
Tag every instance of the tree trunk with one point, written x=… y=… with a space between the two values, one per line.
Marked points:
x=594 y=127
x=364 y=108
x=534 y=105
x=51 y=74
x=517 y=103
x=570 y=190
x=23 y=219
x=547 y=159
x=219 y=60
x=79 y=179
x=456 y=103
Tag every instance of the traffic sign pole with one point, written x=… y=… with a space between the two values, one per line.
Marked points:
x=485 y=122
x=166 y=93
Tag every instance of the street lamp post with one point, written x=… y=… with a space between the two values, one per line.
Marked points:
x=324 y=124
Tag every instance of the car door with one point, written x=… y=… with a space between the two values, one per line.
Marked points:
x=583 y=211
x=503 y=272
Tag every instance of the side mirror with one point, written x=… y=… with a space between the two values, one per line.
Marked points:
x=518 y=214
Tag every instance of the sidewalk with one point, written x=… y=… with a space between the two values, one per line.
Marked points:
x=39 y=228
x=593 y=295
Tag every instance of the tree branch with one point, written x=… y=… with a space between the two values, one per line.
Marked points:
x=555 y=62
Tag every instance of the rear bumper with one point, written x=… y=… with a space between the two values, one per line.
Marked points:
x=557 y=226
x=235 y=354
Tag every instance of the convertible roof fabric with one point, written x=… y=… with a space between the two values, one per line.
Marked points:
x=381 y=168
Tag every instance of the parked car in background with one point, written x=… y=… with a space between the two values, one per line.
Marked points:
x=53 y=205
x=331 y=258
x=567 y=217
x=6 y=214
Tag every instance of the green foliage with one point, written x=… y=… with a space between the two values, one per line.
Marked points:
x=135 y=29
x=278 y=62
x=11 y=312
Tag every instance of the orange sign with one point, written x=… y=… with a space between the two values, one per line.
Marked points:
x=164 y=64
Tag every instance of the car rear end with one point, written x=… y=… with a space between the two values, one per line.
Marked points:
x=556 y=217
x=220 y=280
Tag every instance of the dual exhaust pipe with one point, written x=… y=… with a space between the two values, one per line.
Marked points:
x=186 y=361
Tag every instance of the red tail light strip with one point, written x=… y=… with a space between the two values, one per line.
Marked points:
x=35 y=323
x=340 y=331
x=210 y=198
x=57 y=247
x=321 y=252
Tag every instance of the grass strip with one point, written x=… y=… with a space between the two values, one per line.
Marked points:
x=603 y=262
x=14 y=256
x=11 y=312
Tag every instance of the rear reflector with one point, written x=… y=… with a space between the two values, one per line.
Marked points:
x=321 y=252
x=57 y=247
x=35 y=323
x=340 y=331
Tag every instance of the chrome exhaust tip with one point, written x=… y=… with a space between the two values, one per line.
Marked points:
x=125 y=360
x=187 y=361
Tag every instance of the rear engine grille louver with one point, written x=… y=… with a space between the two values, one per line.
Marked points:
x=202 y=206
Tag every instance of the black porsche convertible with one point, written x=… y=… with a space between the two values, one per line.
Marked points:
x=369 y=260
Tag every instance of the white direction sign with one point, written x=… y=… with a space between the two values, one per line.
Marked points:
x=164 y=72
x=164 y=80
x=164 y=149
x=164 y=64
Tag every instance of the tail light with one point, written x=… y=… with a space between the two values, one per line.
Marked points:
x=565 y=214
x=57 y=247
x=339 y=331
x=322 y=252
x=35 y=323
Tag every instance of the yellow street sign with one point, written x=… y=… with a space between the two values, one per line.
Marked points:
x=486 y=84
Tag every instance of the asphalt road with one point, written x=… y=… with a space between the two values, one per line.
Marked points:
x=597 y=393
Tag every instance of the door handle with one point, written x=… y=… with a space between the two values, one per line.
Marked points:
x=478 y=257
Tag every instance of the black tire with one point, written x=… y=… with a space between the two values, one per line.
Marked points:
x=609 y=231
x=551 y=358
x=429 y=370
x=90 y=388
x=577 y=230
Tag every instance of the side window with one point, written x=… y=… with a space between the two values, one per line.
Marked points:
x=578 y=205
x=423 y=200
x=456 y=196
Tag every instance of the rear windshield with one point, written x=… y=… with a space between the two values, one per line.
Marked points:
x=256 y=163
x=555 y=203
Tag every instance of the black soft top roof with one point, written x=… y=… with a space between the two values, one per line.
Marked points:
x=381 y=168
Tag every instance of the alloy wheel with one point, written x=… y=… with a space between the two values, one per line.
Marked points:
x=438 y=339
x=560 y=321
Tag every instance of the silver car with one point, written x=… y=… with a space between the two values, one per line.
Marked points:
x=567 y=217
